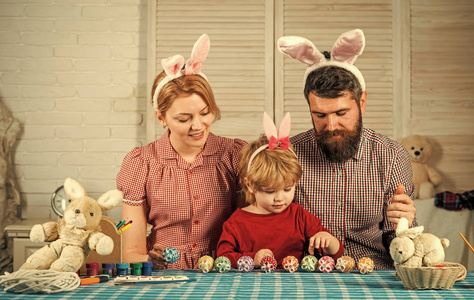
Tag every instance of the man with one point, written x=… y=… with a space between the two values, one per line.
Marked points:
x=358 y=182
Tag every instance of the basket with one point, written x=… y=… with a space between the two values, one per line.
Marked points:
x=441 y=277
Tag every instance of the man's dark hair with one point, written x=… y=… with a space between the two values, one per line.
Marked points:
x=331 y=82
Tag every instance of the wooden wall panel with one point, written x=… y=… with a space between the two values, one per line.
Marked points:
x=237 y=67
x=442 y=86
x=418 y=64
x=322 y=21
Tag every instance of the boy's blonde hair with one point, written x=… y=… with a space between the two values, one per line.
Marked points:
x=276 y=168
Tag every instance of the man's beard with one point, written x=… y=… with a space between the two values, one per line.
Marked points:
x=340 y=149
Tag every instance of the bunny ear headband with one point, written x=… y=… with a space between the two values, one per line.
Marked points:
x=276 y=138
x=344 y=52
x=173 y=65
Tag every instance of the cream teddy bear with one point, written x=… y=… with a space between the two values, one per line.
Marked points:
x=75 y=234
x=412 y=248
x=425 y=178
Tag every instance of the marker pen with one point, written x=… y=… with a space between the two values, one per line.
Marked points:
x=95 y=279
x=120 y=224
x=125 y=224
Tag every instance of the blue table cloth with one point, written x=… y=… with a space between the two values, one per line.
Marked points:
x=258 y=285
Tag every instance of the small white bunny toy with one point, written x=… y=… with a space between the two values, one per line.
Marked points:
x=412 y=248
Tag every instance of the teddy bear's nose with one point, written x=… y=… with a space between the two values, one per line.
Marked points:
x=401 y=252
x=417 y=153
x=77 y=211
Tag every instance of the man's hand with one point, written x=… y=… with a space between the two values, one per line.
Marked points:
x=401 y=206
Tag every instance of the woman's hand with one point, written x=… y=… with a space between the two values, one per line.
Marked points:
x=156 y=256
x=260 y=254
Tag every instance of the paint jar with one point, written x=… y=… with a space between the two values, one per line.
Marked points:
x=147 y=267
x=136 y=268
x=108 y=269
x=122 y=268
x=92 y=269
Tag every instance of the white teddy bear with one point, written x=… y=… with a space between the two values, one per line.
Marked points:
x=412 y=248
x=425 y=177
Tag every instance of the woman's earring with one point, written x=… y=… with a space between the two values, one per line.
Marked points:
x=164 y=125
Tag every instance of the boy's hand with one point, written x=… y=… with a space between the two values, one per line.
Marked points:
x=261 y=254
x=322 y=240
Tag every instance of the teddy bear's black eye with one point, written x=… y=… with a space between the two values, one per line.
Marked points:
x=421 y=149
x=77 y=211
x=412 y=148
x=92 y=214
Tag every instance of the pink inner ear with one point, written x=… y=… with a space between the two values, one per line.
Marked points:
x=172 y=65
x=300 y=49
x=268 y=126
x=348 y=46
x=285 y=126
x=197 y=67
x=198 y=55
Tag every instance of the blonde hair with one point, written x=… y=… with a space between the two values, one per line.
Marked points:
x=276 y=168
x=184 y=85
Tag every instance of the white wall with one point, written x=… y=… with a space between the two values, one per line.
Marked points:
x=74 y=73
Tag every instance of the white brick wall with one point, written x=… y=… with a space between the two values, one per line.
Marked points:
x=74 y=74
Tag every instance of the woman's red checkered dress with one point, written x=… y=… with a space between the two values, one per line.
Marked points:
x=187 y=203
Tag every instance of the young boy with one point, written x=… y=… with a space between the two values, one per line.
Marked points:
x=272 y=224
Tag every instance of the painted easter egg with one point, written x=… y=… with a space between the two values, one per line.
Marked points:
x=309 y=263
x=222 y=264
x=171 y=255
x=268 y=264
x=245 y=264
x=365 y=265
x=205 y=263
x=326 y=264
x=290 y=263
x=345 y=264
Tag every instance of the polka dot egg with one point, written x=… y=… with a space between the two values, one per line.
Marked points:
x=268 y=264
x=365 y=265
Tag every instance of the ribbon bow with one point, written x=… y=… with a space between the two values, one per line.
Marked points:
x=276 y=138
x=282 y=142
x=280 y=137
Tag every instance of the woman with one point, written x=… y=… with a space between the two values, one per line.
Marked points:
x=184 y=184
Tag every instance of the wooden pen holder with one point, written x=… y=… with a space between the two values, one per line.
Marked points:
x=108 y=228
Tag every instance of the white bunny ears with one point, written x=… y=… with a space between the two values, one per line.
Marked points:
x=403 y=229
x=276 y=138
x=173 y=65
x=344 y=52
